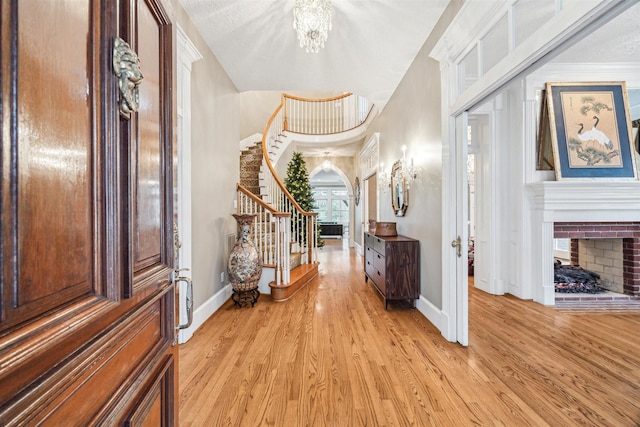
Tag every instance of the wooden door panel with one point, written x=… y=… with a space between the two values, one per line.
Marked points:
x=150 y=134
x=47 y=144
x=87 y=326
x=148 y=173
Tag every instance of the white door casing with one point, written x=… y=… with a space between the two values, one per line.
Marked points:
x=187 y=54
x=461 y=238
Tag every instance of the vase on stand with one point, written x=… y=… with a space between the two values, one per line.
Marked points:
x=245 y=263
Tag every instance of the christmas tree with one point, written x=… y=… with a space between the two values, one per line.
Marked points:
x=297 y=184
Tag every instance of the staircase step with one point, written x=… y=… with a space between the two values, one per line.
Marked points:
x=252 y=179
x=251 y=161
x=254 y=167
x=300 y=276
x=251 y=185
x=255 y=189
x=295 y=260
x=248 y=174
x=251 y=155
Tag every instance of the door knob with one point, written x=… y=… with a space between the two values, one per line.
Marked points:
x=457 y=243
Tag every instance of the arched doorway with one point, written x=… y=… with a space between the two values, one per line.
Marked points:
x=333 y=194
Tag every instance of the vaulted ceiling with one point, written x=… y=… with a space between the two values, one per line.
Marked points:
x=369 y=49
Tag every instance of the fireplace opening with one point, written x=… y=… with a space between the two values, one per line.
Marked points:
x=609 y=249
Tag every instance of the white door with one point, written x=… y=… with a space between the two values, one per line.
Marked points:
x=460 y=241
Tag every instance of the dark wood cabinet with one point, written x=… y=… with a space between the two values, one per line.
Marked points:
x=393 y=265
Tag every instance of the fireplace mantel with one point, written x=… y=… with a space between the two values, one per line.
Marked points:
x=587 y=200
x=574 y=201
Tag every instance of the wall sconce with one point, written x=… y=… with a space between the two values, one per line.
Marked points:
x=384 y=178
x=408 y=171
x=403 y=169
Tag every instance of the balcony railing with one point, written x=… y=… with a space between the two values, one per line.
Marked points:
x=324 y=116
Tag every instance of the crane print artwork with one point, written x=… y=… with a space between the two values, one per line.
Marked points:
x=589 y=145
x=590 y=130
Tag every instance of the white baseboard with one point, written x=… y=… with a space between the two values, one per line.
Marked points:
x=202 y=313
x=358 y=248
x=268 y=276
x=436 y=316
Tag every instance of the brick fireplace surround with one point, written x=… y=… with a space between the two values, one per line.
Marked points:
x=629 y=232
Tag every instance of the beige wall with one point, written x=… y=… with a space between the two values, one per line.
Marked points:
x=215 y=113
x=256 y=107
x=412 y=117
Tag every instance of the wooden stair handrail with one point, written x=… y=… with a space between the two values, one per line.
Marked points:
x=333 y=98
x=265 y=154
x=261 y=202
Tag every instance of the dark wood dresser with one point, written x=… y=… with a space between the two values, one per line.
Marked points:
x=393 y=265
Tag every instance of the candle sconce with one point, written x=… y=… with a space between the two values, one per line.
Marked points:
x=403 y=173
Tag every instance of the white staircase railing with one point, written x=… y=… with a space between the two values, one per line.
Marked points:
x=324 y=116
x=271 y=233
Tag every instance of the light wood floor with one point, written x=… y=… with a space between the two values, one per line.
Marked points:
x=332 y=356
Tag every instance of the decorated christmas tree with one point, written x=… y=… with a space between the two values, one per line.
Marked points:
x=297 y=184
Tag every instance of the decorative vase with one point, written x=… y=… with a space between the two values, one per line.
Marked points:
x=245 y=263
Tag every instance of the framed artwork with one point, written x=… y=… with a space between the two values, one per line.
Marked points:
x=591 y=130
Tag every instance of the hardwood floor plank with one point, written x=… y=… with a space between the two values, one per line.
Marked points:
x=332 y=356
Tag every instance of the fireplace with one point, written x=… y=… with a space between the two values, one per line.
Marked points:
x=592 y=210
x=611 y=249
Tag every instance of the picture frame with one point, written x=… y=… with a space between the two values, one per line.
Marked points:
x=591 y=131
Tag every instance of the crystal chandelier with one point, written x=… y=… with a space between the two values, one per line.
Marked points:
x=312 y=22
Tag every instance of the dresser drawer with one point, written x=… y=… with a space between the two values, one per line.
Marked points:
x=380 y=279
x=379 y=245
x=378 y=262
x=370 y=269
x=368 y=240
x=369 y=254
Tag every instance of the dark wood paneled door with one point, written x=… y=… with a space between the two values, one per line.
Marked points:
x=87 y=324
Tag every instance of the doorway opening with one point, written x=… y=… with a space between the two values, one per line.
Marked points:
x=332 y=203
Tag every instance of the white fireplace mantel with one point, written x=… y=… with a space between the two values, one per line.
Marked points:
x=605 y=201
x=574 y=201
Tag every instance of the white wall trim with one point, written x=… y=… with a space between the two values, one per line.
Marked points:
x=370 y=156
x=358 y=249
x=571 y=20
x=205 y=311
x=341 y=174
x=187 y=54
x=439 y=318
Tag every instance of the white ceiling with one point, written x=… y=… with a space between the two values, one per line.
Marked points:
x=369 y=49
x=615 y=41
